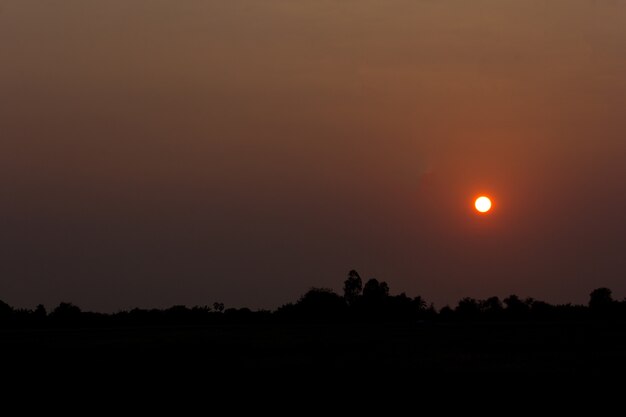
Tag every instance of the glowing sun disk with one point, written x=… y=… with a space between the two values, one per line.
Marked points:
x=483 y=204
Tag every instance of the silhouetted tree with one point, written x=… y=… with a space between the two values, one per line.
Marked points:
x=446 y=313
x=286 y=312
x=601 y=302
x=404 y=308
x=374 y=300
x=419 y=303
x=515 y=307
x=66 y=313
x=429 y=313
x=40 y=311
x=66 y=310
x=421 y=308
x=542 y=311
x=178 y=314
x=491 y=304
x=219 y=307
x=352 y=287
x=600 y=299
x=491 y=308
x=374 y=290
x=40 y=314
x=400 y=308
x=468 y=308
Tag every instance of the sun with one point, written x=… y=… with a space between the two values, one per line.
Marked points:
x=482 y=204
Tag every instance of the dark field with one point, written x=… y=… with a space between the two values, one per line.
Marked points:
x=459 y=347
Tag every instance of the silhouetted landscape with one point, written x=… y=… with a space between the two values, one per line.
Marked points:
x=365 y=323
x=184 y=185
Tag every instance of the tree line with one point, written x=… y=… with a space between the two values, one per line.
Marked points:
x=360 y=302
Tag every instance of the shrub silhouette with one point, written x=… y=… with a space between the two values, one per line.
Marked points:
x=320 y=304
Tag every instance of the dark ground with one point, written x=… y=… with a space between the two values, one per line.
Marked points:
x=571 y=348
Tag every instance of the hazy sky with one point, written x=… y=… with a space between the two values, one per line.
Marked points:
x=160 y=152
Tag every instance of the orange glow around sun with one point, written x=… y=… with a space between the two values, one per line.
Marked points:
x=482 y=204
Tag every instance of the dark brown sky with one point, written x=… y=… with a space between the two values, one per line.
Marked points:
x=160 y=152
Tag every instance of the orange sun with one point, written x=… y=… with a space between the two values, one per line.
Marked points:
x=482 y=204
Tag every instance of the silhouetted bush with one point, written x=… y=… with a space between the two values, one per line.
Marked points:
x=320 y=305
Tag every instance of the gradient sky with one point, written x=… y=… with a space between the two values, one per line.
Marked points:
x=160 y=152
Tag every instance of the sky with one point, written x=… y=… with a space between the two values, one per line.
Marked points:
x=161 y=152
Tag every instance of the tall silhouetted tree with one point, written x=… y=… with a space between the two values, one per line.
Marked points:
x=352 y=287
